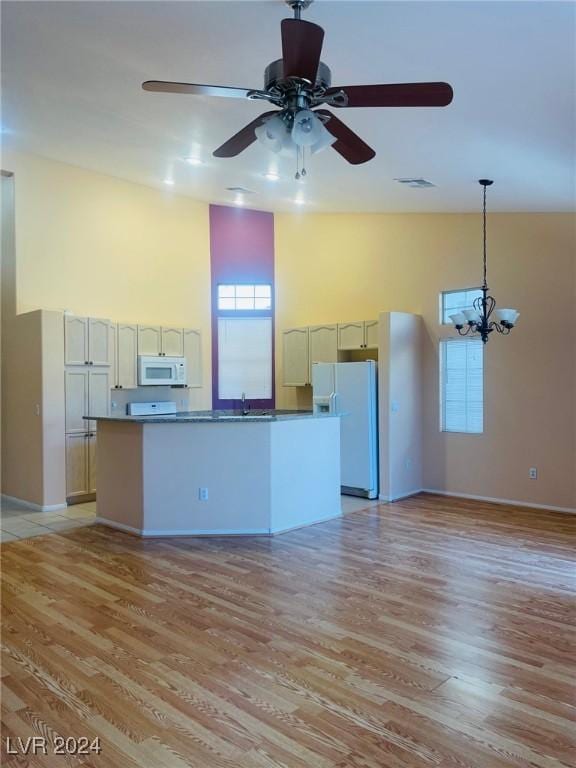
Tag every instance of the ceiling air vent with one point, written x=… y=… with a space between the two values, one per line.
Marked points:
x=240 y=190
x=416 y=183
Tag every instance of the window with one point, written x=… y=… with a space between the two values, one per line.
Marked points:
x=462 y=385
x=244 y=358
x=244 y=297
x=457 y=301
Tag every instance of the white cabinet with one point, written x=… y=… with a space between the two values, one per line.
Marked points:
x=91 y=462
x=360 y=334
x=75 y=340
x=351 y=335
x=172 y=342
x=126 y=356
x=157 y=340
x=87 y=392
x=76 y=390
x=76 y=465
x=323 y=343
x=149 y=339
x=86 y=341
x=371 y=334
x=193 y=355
x=295 y=358
x=98 y=341
x=80 y=465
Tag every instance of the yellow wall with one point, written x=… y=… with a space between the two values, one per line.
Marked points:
x=104 y=247
x=333 y=268
x=101 y=246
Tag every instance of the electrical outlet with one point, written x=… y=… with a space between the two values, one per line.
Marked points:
x=203 y=494
x=533 y=473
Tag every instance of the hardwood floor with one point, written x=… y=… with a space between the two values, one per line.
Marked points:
x=431 y=633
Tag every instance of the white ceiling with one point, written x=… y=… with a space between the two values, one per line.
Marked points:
x=72 y=73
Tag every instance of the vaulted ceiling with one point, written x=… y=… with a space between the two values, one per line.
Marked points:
x=72 y=74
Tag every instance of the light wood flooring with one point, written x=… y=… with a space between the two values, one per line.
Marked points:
x=430 y=633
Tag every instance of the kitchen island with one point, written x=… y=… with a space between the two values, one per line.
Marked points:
x=208 y=473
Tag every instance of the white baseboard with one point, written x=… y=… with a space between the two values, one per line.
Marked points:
x=149 y=532
x=400 y=496
x=31 y=505
x=493 y=500
x=275 y=531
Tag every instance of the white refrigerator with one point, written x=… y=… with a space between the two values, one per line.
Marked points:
x=350 y=390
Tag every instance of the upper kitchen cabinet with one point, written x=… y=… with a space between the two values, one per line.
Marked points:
x=295 y=358
x=86 y=341
x=361 y=334
x=323 y=343
x=371 y=334
x=351 y=335
x=157 y=340
x=126 y=365
x=149 y=339
x=172 y=342
x=193 y=354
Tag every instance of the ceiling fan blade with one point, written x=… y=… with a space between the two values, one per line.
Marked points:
x=164 y=86
x=241 y=140
x=395 y=95
x=347 y=143
x=301 y=48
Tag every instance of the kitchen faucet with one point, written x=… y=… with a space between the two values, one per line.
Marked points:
x=245 y=408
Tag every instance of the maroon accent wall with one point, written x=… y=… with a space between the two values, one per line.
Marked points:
x=241 y=251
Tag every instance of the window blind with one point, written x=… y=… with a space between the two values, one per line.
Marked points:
x=462 y=385
x=245 y=358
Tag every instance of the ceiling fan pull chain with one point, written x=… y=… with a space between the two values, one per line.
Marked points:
x=303 y=171
x=297 y=174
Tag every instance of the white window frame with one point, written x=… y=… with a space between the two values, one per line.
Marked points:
x=471 y=426
x=244 y=297
x=467 y=302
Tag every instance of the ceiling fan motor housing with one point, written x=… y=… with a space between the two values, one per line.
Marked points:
x=274 y=79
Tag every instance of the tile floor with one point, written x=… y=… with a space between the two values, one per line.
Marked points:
x=18 y=522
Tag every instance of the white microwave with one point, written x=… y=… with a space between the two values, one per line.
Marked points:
x=162 y=371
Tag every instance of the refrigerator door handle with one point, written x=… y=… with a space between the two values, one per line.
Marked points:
x=333 y=402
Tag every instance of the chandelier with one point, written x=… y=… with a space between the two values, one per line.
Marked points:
x=478 y=320
x=295 y=131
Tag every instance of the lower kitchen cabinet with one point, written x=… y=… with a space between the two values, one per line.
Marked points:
x=80 y=464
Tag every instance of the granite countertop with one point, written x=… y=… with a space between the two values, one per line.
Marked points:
x=212 y=417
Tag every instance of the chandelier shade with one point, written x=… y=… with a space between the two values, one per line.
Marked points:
x=478 y=320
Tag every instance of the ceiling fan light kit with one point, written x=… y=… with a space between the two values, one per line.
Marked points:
x=478 y=320
x=297 y=85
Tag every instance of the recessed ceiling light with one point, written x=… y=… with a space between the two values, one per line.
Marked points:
x=193 y=161
x=238 y=200
x=299 y=201
x=272 y=176
x=169 y=182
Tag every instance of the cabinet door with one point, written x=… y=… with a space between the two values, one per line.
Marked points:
x=351 y=335
x=323 y=342
x=193 y=354
x=113 y=345
x=76 y=465
x=98 y=395
x=127 y=345
x=98 y=341
x=371 y=334
x=75 y=340
x=295 y=359
x=91 y=462
x=149 y=339
x=76 y=395
x=172 y=342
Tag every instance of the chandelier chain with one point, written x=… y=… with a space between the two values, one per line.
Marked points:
x=485 y=284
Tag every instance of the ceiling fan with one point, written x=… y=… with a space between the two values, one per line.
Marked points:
x=299 y=83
